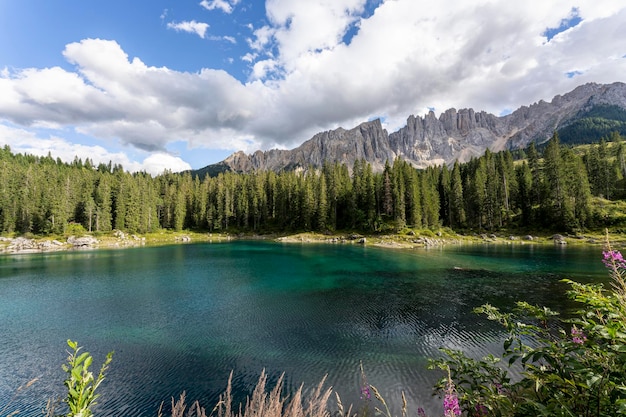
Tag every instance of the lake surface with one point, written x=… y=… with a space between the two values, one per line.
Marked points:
x=180 y=318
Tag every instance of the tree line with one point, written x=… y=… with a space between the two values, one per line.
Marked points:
x=551 y=189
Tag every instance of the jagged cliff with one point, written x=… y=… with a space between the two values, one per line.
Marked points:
x=430 y=140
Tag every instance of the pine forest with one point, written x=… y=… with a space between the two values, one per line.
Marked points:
x=555 y=187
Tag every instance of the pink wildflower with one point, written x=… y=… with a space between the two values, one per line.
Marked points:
x=365 y=392
x=365 y=387
x=421 y=412
x=499 y=388
x=578 y=336
x=613 y=259
x=451 y=406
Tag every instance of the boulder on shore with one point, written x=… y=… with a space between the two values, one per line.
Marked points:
x=82 y=242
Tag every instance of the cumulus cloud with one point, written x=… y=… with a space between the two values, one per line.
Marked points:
x=223 y=5
x=158 y=162
x=199 y=28
x=402 y=58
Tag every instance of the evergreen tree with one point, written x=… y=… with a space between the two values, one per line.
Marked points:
x=444 y=196
x=412 y=196
x=508 y=184
x=387 y=190
x=537 y=189
x=578 y=189
x=524 y=194
x=103 y=205
x=399 y=195
x=429 y=197
x=557 y=205
x=321 y=212
x=455 y=200
x=492 y=199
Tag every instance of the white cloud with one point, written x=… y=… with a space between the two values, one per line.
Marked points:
x=303 y=26
x=192 y=26
x=249 y=57
x=263 y=37
x=223 y=5
x=407 y=56
x=158 y=162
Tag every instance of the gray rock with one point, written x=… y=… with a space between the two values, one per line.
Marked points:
x=21 y=244
x=455 y=135
x=82 y=242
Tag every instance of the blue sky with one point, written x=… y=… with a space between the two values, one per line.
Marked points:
x=182 y=84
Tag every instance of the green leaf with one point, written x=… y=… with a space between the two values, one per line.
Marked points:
x=77 y=373
x=507 y=343
x=593 y=380
x=81 y=358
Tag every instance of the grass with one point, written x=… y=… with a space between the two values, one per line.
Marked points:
x=262 y=403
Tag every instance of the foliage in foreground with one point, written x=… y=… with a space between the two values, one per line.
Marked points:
x=569 y=367
x=261 y=403
x=80 y=382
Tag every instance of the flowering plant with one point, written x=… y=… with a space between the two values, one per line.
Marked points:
x=569 y=367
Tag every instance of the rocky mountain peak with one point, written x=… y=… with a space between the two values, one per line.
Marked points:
x=428 y=140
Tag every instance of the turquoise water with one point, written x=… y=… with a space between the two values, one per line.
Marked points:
x=180 y=318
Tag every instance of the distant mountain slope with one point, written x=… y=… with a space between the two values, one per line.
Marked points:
x=584 y=112
x=594 y=124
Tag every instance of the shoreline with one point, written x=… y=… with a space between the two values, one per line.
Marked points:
x=409 y=240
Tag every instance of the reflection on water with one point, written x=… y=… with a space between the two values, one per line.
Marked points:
x=182 y=317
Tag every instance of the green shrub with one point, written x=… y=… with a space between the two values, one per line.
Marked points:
x=80 y=382
x=569 y=367
x=74 y=229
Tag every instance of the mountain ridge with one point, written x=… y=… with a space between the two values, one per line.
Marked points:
x=430 y=140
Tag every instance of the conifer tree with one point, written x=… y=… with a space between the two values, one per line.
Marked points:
x=537 y=189
x=387 y=190
x=578 y=190
x=429 y=197
x=102 y=200
x=444 y=195
x=399 y=195
x=321 y=212
x=557 y=205
x=524 y=194
x=455 y=199
x=412 y=196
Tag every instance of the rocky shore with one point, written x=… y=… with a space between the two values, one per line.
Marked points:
x=27 y=245
x=410 y=239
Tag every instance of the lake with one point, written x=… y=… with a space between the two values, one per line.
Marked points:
x=180 y=318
